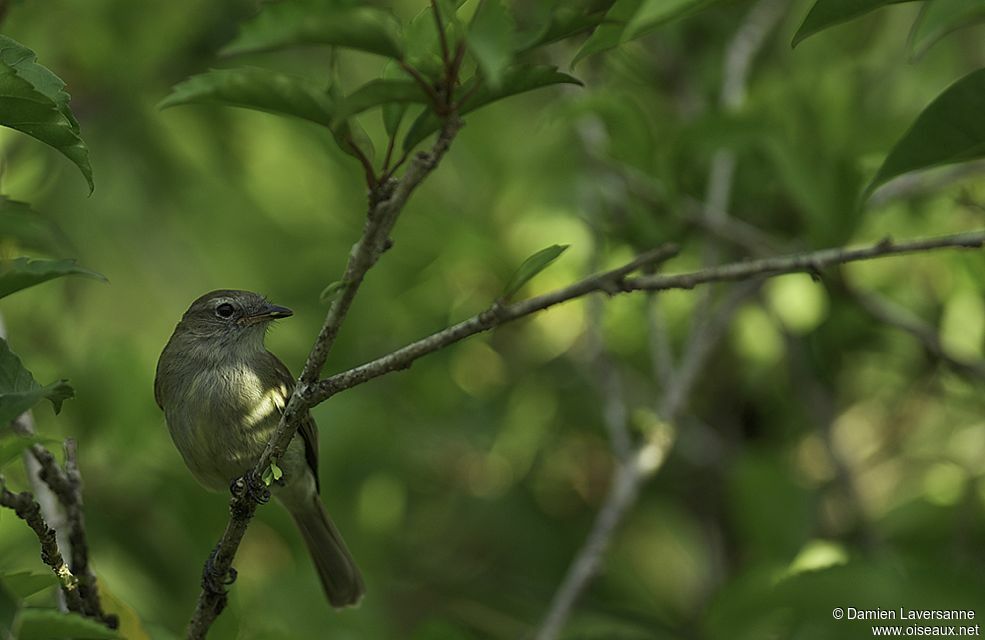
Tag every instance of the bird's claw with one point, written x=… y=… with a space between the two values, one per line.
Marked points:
x=250 y=486
x=214 y=580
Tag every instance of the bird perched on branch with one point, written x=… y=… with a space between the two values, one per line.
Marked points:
x=222 y=394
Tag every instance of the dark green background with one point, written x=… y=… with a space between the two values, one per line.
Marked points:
x=465 y=485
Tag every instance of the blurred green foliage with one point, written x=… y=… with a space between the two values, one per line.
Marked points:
x=825 y=460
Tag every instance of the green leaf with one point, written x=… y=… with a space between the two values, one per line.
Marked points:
x=563 y=22
x=49 y=624
x=9 y=604
x=12 y=446
x=531 y=267
x=951 y=129
x=379 y=92
x=653 y=14
x=19 y=391
x=272 y=473
x=393 y=112
x=939 y=18
x=516 y=80
x=609 y=34
x=22 y=273
x=828 y=13
x=304 y=22
x=490 y=38
x=631 y=19
x=258 y=89
x=332 y=291
x=33 y=100
x=27 y=229
x=25 y=583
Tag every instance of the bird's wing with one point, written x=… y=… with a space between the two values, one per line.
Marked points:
x=307 y=429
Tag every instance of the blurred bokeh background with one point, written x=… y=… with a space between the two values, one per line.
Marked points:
x=824 y=459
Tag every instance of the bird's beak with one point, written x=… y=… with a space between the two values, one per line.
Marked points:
x=268 y=312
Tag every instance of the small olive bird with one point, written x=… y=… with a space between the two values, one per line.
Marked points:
x=222 y=394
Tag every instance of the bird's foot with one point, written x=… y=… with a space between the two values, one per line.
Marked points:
x=251 y=486
x=214 y=580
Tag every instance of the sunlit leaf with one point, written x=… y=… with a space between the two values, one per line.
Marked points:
x=271 y=474
x=258 y=89
x=516 y=80
x=379 y=92
x=304 y=22
x=22 y=273
x=24 y=583
x=19 y=391
x=50 y=624
x=490 y=38
x=828 y=13
x=939 y=18
x=33 y=100
x=27 y=229
x=951 y=129
x=531 y=267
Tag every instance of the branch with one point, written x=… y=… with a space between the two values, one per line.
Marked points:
x=386 y=202
x=616 y=281
x=67 y=486
x=609 y=282
x=812 y=262
x=28 y=510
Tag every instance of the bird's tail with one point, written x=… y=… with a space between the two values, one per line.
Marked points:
x=336 y=568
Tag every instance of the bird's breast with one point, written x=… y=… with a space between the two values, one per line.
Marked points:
x=221 y=418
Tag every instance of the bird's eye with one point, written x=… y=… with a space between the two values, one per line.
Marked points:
x=224 y=310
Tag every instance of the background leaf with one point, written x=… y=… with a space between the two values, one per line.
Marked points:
x=19 y=391
x=631 y=19
x=25 y=228
x=9 y=603
x=828 y=13
x=517 y=80
x=951 y=129
x=531 y=267
x=33 y=100
x=490 y=38
x=25 y=583
x=302 y=22
x=940 y=17
x=255 y=88
x=22 y=273
x=380 y=92
x=49 y=624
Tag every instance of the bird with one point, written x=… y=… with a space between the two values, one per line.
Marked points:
x=222 y=393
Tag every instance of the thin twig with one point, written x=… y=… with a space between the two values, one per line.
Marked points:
x=423 y=82
x=897 y=317
x=442 y=38
x=812 y=262
x=661 y=354
x=607 y=376
x=28 y=510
